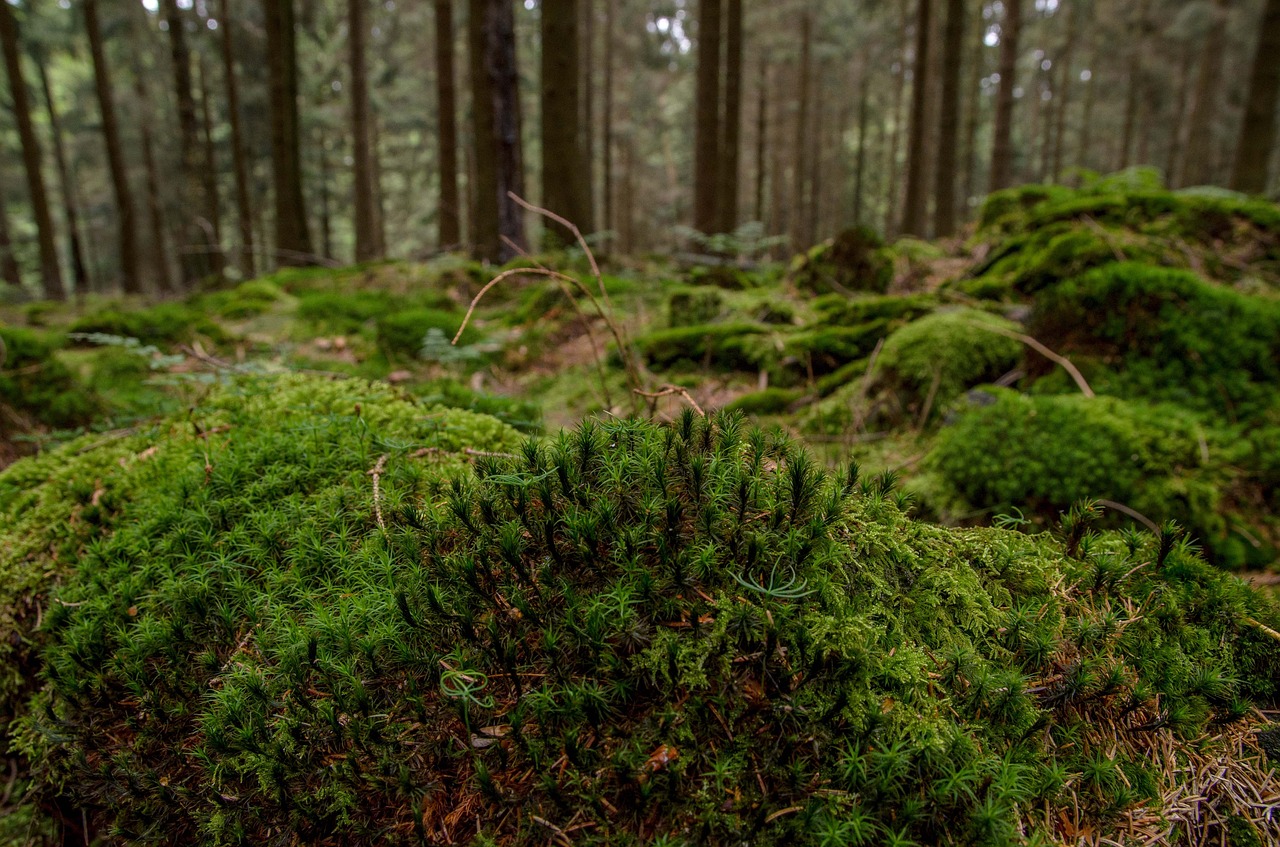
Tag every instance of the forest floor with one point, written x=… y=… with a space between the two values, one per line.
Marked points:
x=943 y=361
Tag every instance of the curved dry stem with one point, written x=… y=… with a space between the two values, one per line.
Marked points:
x=1043 y=351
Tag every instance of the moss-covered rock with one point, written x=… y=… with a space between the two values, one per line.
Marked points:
x=164 y=324
x=694 y=305
x=401 y=333
x=934 y=359
x=728 y=346
x=855 y=260
x=36 y=389
x=633 y=632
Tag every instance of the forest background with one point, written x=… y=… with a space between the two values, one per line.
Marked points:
x=147 y=145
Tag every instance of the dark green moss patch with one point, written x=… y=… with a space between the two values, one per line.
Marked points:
x=855 y=260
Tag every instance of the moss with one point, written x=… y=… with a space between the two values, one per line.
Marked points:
x=1169 y=335
x=343 y=312
x=855 y=260
x=1049 y=254
x=522 y=415
x=828 y=348
x=729 y=346
x=770 y=401
x=36 y=387
x=945 y=353
x=244 y=301
x=726 y=277
x=164 y=324
x=656 y=630
x=401 y=332
x=847 y=311
x=693 y=306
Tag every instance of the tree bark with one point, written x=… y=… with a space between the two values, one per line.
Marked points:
x=1002 y=146
x=209 y=175
x=1258 y=132
x=944 y=220
x=1066 y=85
x=196 y=249
x=1197 y=165
x=79 y=270
x=860 y=163
x=293 y=241
x=1137 y=36
x=363 y=200
x=800 y=239
x=731 y=148
x=155 y=205
x=50 y=273
x=446 y=105
x=762 y=136
x=496 y=116
x=607 y=142
x=706 y=144
x=916 y=207
x=244 y=213
x=566 y=166
x=587 y=127
x=9 y=271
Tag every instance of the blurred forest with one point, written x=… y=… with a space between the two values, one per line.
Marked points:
x=150 y=145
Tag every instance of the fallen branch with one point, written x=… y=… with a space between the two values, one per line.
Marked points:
x=669 y=390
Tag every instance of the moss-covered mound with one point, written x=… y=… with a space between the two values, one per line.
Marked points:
x=37 y=391
x=855 y=260
x=632 y=634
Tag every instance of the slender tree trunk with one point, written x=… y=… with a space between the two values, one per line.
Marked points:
x=1002 y=146
x=1137 y=36
x=608 y=141
x=9 y=271
x=1177 y=130
x=762 y=135
x=810 y=211
x=895 y=139
x=244 y=213
x=326 y=217
x=379 y=198
x=731 y=149
x=913 y=215
x=362 y=209
x=195 y=250
x=446 y=104
x=859 y=169
x=587 y=127
x=1258 y=132
x=155 y=205
x=496 y=116
x=800 y=238
x=1066 y=85
x=566 y=166
x=949 y=120
x=50 y=273
x=706 y=144
x=973 y=110
x=1198 y=163
x=79 y=271
x=1084 y=146
x=293 y=241
x=209 y=176
x=485 y=239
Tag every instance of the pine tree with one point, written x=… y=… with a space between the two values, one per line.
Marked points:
x=244 y=212
x=363 y=206
x=566 y=167
x=1258 y=132
x=50 y=273
x=913 y=216
x=706 y=144
x=1002 y=146
x=293 y=241
x=449 y=210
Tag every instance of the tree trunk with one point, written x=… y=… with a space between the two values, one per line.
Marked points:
x=496 y=116
x=706 y=144
x=79 y=271
x=1002 y=146
x=731 y=148
x=293 y=241
x=9 y=271
x=800 y=239
x=446 y=105
x=1257 y=133
x=1198 y=162
x=209 y=176
x=195 y=249
x=973 y=110
x=587 y=128
x=363 y=201
x=860 y=164
x=155 y=205
x=895 y=139
x=762 y=135
x=1066 y=84
x=913 y=214
x=1137 y=36
x=326 y=218
x=944 y=220
x=244 y=213
x=566 y=167
x=609 y=222
x=50 y=273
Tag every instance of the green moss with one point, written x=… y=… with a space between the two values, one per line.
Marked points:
x=693 y=306
x=770 y=401
x=344 y=312
x=244 y=301
x=401 y=333
x=36 y=386
x=164 y=324
x=828 y=348
x=848 y=311
x=726 y=277
x=945 y=353
x=855 y=260
x=654 y=630
x=729 y=346
x=520 y=414
x=1170 y=335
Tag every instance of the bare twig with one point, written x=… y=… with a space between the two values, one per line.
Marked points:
x=669 y=390
x=1043 y=351
x=1133 y=513
x=929 y=398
